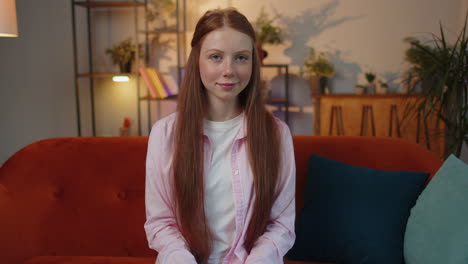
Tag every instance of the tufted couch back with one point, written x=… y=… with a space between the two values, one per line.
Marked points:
x=74 y=196
x=85 y=196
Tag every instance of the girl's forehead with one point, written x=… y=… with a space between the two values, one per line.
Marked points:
x=228 y=39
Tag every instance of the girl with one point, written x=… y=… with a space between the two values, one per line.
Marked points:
x=220 y=172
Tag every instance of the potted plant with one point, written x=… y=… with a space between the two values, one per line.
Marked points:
x=370 y=77
x=359 y=89
x=123 y=55
x=266 y=33
x=444 y=67
x=317 y=69
x=382 y=87
x=421 y=62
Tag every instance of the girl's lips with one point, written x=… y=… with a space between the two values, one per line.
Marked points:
x=227 y=86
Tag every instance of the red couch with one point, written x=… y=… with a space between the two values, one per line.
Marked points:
x=81 y=200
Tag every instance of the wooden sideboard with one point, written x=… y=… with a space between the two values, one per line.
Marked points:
x=376 y=115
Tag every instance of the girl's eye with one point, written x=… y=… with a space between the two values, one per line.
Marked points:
x=215 y=57
x=242 y=58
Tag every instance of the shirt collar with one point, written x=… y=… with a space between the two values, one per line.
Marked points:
x=243 y=129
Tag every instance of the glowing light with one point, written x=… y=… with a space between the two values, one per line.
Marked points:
x=120 y=79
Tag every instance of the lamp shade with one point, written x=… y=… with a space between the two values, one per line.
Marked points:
x=8 y=25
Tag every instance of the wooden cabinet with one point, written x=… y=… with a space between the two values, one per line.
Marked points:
x=376 y=115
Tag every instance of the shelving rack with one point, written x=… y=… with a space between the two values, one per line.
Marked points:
x=91 y=74
x=179 y=31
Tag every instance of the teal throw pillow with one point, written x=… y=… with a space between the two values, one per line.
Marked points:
x=437 y=229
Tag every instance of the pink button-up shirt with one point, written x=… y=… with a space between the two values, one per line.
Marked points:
x=161 y=226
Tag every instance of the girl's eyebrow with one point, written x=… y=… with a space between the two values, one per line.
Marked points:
x=244 y=51
x=215 y=50
x=220 y=51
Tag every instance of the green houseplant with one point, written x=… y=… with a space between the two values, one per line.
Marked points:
x=370 y=77
x=418 y=56
x=123 y=55
x=317 y=68
x=266 y=32
x=444 y=68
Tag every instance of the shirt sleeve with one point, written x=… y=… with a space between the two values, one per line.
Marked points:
x=279 y=236
x=160 y=226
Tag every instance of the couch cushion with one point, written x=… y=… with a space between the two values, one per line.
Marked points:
x=354 y=214
x=437 y=230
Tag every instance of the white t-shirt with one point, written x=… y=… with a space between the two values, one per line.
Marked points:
x=219 y=199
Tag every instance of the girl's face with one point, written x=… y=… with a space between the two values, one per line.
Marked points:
x=225 y=64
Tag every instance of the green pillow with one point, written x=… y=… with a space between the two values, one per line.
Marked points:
x=437 y=229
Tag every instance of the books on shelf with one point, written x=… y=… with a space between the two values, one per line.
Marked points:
x=160 y=85
x=149 y=84
x=169 y=83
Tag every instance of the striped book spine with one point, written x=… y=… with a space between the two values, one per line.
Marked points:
x=169 y=83
x=164 y=83
x=149 y=84
x=156 y=82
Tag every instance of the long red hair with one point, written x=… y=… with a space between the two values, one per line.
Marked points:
x=263 y=142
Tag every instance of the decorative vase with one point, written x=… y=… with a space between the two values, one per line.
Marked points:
x=319 y=85
x=358 y=90
x=314 y=85
x=324 y=85
x=381 y=90
x=125 y=67
x=262 y=54
x=370 y=89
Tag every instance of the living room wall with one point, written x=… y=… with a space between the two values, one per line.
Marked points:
x=36 y=77
x=37 y=99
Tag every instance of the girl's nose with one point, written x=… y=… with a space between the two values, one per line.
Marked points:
x=228 y=70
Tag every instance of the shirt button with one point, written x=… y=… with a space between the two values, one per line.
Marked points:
x=236 y=172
